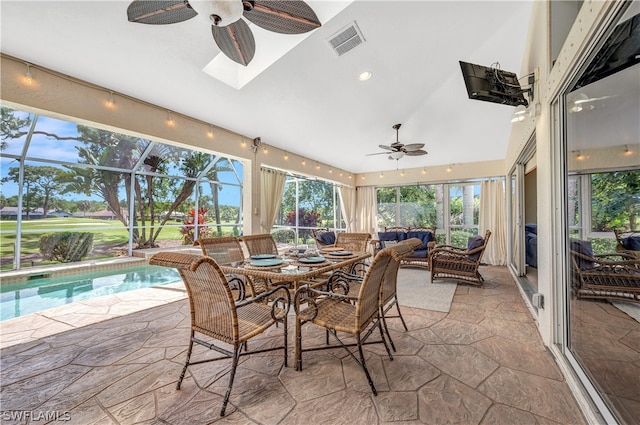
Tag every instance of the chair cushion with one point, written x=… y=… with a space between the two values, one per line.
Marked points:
x=424 y=236
x=472 y=243
x=631 y=243
x=327 y=238
x=419 y=253
x=392 y=236
x=531 y=228
x=584 y=248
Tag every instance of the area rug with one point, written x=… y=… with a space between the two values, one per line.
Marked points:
x=414 y=290
x=632 y=309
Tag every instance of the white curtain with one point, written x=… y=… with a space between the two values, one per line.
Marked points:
x=272 y=187
x=493 y=217
x=366 y=210
x=348 y=206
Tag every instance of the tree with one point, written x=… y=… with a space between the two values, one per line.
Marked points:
x=615 y=200
x=11 y=126
x=43 y=179
x=103 y=148
x=305 y=219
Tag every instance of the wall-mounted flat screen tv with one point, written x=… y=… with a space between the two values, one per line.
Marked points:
x=492 y=85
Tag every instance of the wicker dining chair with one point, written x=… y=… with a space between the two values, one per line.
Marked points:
x=216 y=315
x=340 y=281
x=355 y=315
x=461 y=265
x=353 y=241
x=262 y=243
x=226 y=250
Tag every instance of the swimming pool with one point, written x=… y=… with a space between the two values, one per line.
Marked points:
x=18 y=299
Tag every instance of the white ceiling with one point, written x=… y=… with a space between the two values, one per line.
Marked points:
x=309 y=101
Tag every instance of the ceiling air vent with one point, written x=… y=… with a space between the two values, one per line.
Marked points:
x=346 y=39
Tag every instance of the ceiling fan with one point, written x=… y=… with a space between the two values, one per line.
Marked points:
x=397 y=150
x=230 y=32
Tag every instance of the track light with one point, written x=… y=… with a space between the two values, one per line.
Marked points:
x=317 y=166
x=110 y=103
x=170 y=121
x=579 y=156
x=28 y=78
x=449 y=169
x=210 y=132
x=627 y=151
x=424 y=170
x=381 y=174
x=286 y=156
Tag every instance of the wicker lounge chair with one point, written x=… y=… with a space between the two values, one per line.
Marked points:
x=216 y=315
x=226 y=250
x=323 y=237
x=461 y=265
x=604 y=276
x=628 y=241
x=356 y=315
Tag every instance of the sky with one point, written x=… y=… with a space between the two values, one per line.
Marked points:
x=42 y=147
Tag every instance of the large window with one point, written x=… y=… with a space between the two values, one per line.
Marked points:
x=307 y=204
x=602 y=182
x=63 y=181
x=428 y=205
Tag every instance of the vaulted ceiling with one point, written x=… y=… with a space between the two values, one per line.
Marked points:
x=302 y=97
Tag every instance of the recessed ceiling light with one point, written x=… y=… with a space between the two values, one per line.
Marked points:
x=364 y=76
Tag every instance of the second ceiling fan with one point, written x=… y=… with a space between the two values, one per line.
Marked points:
x=397 y=150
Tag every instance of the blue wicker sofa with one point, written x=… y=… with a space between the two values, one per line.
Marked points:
x=393 y=235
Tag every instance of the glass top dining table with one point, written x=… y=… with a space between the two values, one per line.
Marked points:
x=291 y=270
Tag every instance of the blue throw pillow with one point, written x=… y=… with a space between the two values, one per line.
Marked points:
x=424 y=236
x=472 y=243
x=584 y=248
x=631 y=243
x=327 y=238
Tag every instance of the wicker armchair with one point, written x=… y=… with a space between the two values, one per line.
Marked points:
x=323 y=237
x=339 y=312
x=260 y=244
x=606 y=276
x=628 y=242
x=461 y=265
x=227 y=250
x=216 y=315
x=350 y=283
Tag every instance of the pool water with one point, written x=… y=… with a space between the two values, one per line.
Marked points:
x=18 y=299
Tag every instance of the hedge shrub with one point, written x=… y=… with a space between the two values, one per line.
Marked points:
x=284 y=235
x=66 y=247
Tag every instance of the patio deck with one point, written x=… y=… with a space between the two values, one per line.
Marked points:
x=481 y=363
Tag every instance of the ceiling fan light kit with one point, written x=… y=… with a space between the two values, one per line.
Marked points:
x=398 y=150
x=230 y=32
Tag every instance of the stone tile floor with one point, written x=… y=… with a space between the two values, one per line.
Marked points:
x=481 y=363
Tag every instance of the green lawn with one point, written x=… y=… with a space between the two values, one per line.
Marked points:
x=106 y=232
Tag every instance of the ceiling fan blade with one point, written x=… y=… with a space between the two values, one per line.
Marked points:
x=416 y=153
x=284 y=17
x=377 y=153
x=389 y=148
x=236 y=41
x=413 y=146
x=159 y=12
